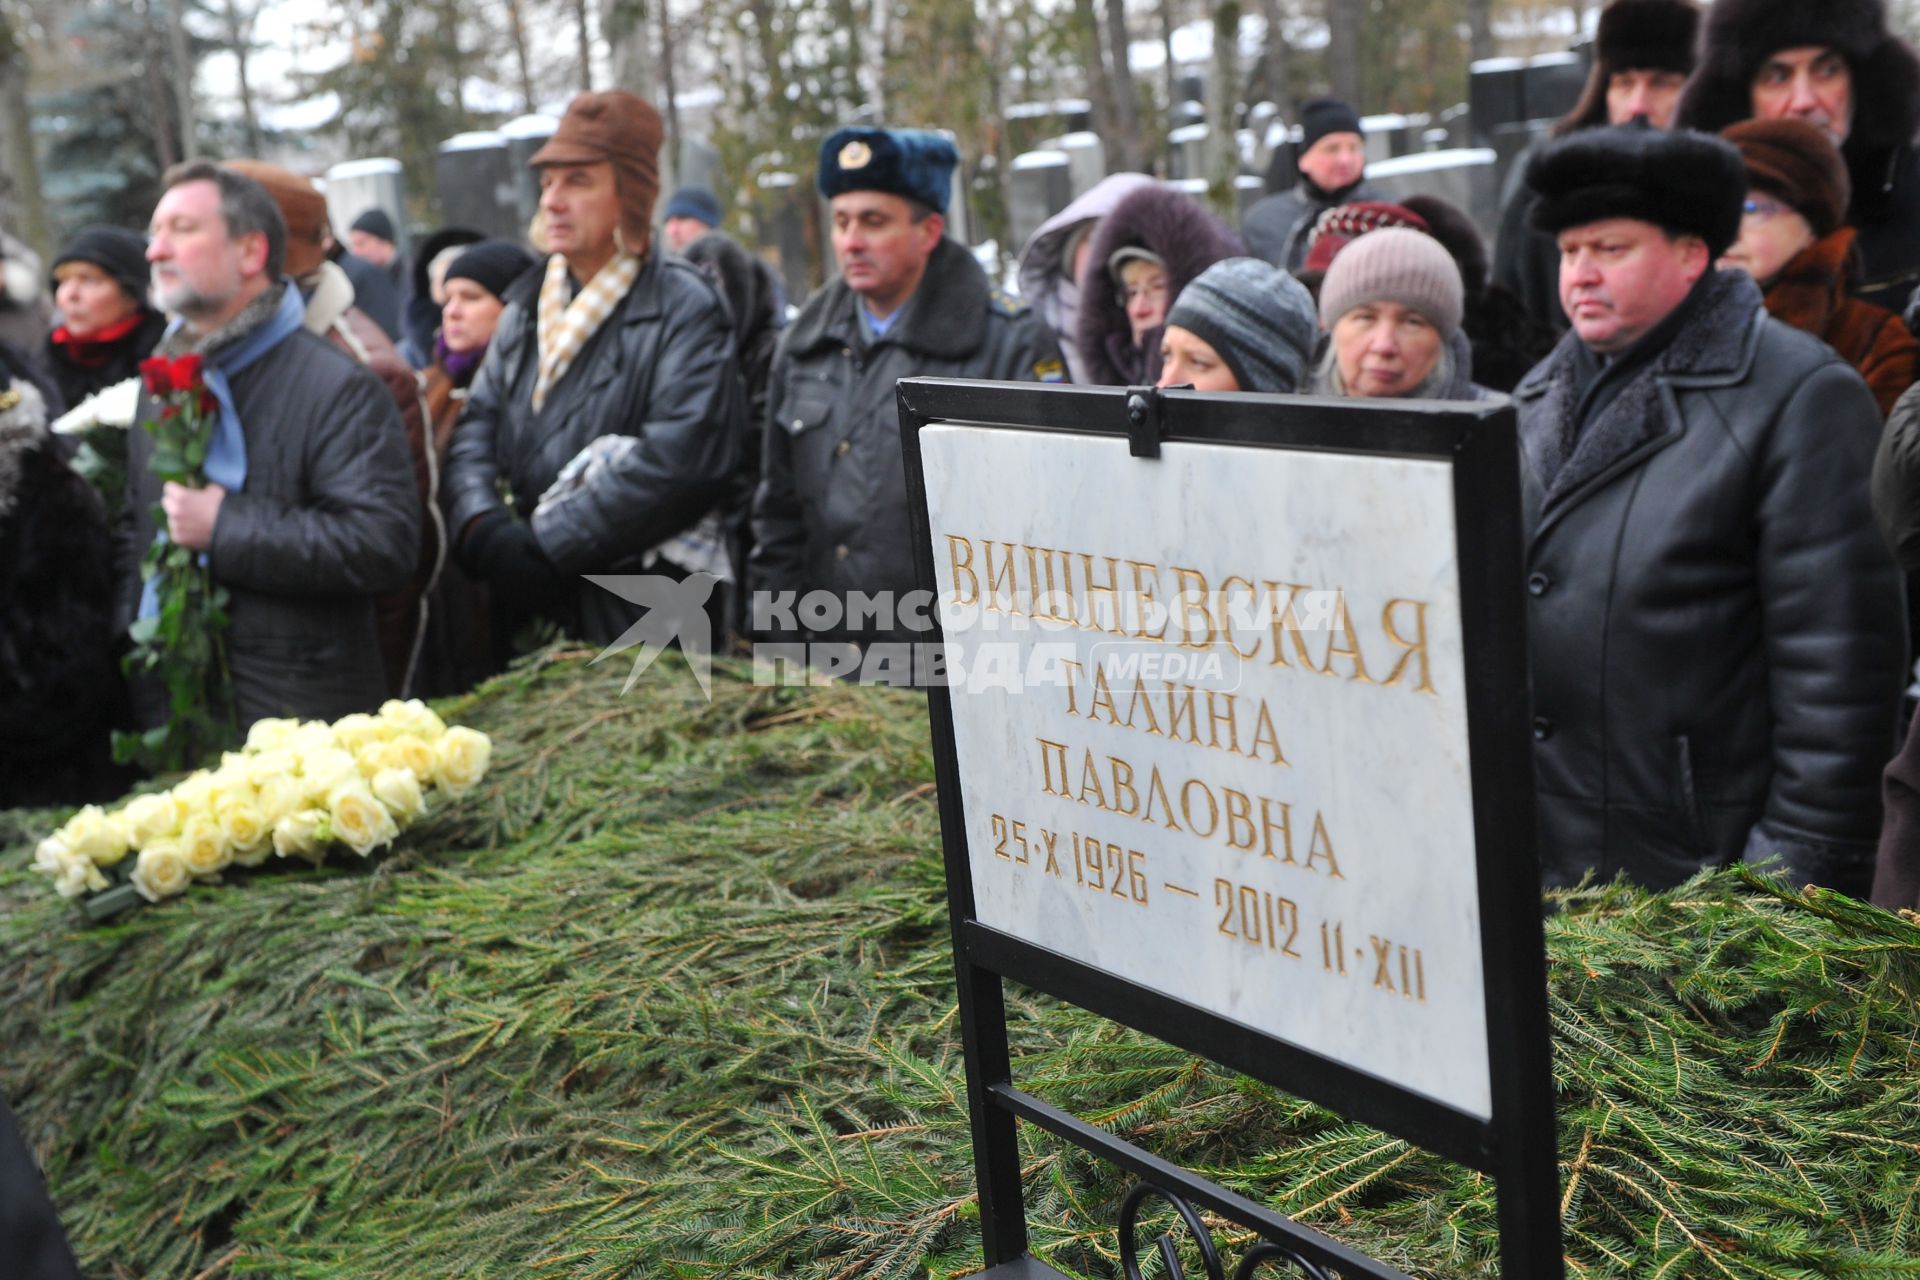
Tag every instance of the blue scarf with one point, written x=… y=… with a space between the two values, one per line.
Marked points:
x=226 y=463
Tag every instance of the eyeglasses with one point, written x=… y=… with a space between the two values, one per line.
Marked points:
x=1157 y=291
x=1761 y=208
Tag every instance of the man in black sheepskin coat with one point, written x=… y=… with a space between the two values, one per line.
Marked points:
x=1837 y=65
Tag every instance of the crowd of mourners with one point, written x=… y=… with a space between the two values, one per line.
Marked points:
x=1699 y=303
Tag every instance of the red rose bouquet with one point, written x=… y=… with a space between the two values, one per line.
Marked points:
x=180 y=634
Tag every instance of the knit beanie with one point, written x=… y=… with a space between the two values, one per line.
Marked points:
x=1119 y=258
x=1339 y=226
x=121 y=254
x=375 y=222
x=492 y=264
x=1798 y=163
x=303 y=208
x=696 y=202
x=621 y=129
x=1259 y=318
x=1323 y=116
x=1395 y=265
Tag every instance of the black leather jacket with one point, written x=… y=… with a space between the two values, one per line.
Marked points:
x=831 y=512
x=1716 y=629
x=328 y=519
x=660 y=370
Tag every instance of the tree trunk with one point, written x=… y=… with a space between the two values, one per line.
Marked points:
x=23 y=209
x=1126 y=101
x=1166 y=39
x=183 y=79
x=450 y=14
x=159 y=115
x=1479 y=30
x=240 y=37
x=1223 y=150
x=671 y=149
x=585 y=29
x=1099 y=84
x=517 y=29
x=1279 y=81
x=1343 y=50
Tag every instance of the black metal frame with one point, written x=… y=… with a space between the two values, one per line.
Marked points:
x=1518 y=1145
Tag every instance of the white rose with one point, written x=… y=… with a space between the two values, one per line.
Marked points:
x=359 y=820
x=95 y=836
x=266 y=735
x=325 y=769
x=400 y=791
x=51 y=855
x=78 y=875
x=357 y=730
x=278 y=796
x=276 y=762
x=412 y=752
x=153 y=817
x=160 y=871
x=413 y=716
x=195 y=792
x=298 y=835
x=460 y=760
x=206 y=852
x=246 y=831
x=371 y=759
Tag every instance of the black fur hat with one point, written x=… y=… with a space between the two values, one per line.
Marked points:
x=1739 y=35
x=1687 y=183
x=1633 y=35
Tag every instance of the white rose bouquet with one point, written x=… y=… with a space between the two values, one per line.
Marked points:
x=296 y=790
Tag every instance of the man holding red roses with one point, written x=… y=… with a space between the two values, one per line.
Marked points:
x=298 y=502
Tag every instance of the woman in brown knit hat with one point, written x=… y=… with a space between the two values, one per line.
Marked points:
x=1793 y=244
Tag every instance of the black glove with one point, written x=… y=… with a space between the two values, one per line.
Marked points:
x=504 y=552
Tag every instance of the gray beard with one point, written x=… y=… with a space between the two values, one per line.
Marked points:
x=188 y=337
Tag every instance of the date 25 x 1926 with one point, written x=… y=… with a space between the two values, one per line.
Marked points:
x=1250 y=915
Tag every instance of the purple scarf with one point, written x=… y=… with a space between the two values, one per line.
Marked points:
x=460 y=365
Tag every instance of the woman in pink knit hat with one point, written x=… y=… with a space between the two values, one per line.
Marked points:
x=1391 y=305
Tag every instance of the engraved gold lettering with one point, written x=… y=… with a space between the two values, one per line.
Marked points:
x=1003 y=579
x=1186 y=807
x=1239 y=820
x=1321 y=846
x=1156 y=789
x=1191 y=599
x=1049 y=751
x=1146 y=580
x=1098 y=593
x=962 y=566
x=1342 y=630
x=1410 y=648
x=1126 y=800
x=1225 y=615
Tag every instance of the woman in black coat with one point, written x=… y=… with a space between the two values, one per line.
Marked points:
x=59 y=688
x=106 y=327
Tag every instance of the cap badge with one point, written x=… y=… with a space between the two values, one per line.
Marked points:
x=855 y=155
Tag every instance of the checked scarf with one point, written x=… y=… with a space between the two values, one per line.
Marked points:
x=566 y=325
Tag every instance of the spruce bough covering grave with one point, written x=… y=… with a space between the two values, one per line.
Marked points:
x=669 y=995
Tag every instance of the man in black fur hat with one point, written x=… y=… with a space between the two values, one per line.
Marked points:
x=1834 y=64
x=1715 y=626
x=1642 y=54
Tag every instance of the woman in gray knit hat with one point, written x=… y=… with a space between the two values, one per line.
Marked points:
x=1391 y=305
x=1242 y=325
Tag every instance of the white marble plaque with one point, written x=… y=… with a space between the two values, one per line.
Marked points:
x=1210 y=718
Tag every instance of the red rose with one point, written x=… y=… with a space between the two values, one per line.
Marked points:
x=157 y=374
x=209 y=403
x=186 y=372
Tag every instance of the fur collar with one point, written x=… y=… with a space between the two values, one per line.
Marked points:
x=262 y=309
x=1172 y=224
x=331 y=299
x=1814 y=285
x=946 y=320
x=1714 y=340
x=23 y=428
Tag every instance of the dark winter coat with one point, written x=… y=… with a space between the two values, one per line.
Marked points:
x=1810 y=294
x=752 y=294
x=1186 y=237
x=121 y=360
x=1277 y=226
x=1717 y=643
x=1896 y=481
x=327 y=521
x=1506 y=341
x=1526 y=262
x=831 y=512
x=457 y=651
x=1738 y=35
x=58 y=683
x=374 y=292
x=30 y=1236
x=1896 y=872
x=660 y=370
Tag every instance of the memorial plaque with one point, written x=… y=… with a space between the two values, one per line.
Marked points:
x=1234 y=765
x=1233 y=747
